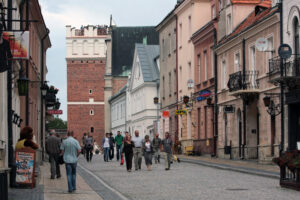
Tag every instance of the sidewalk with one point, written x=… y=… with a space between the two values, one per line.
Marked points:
x=49 y=189
x=243 y=166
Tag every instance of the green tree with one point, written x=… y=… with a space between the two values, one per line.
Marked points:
x=57 y=123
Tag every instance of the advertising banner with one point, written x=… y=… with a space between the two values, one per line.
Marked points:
x=19 y=43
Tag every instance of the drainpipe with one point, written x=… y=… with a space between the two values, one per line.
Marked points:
x=177 y=93
x=42 y=98
x=281 y=74
x=11 y=160
x=216 y=109
x=244 y=100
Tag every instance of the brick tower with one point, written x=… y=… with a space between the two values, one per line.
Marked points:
x=86 y=56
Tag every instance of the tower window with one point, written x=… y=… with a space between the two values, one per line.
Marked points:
x=90 y=91
x=92 y=112
x=92 y=129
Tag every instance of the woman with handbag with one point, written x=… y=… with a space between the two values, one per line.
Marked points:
x=147 y=150
x=128 y=151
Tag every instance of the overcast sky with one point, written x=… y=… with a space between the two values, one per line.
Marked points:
x=59 y=13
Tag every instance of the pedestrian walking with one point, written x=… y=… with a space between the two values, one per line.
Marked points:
x=83 y=143
x=111 y=146
x=137 y=150
x=128 y=151
x=119 y=143
x=167 y=148
x=147 y=150
x=105 y=146
x=53 y=150
x=26 y=139
x=156 y=148
x=70 y=149
x=89 y=147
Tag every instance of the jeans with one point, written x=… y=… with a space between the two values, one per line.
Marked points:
x=106 y=153
x=119 y=151
x=71 y=176
x=55 y=168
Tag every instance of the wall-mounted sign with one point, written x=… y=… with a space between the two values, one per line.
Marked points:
x=261 y=44
x=190 y=83
x=19 y=43
x=204 y=94
x=25 y=164
x=55 y=112
x=181 y=112
x=166 y=114
x=229 y=109
x=285 y=51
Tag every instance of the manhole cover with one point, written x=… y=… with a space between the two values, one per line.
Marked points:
x=236 y=189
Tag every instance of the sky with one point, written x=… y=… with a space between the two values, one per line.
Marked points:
x=59 y=13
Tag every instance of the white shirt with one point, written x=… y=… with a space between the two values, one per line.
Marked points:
x=106 y=143
x=137 y=141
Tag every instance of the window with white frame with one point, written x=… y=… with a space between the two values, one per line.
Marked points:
x=92 y=112
x=224 y=74
x=213 y=11
x=237 y=61
x=205 y=65
x=253 y=58
x=74 y=47
x=220 y=4
x=199 y=68
x=96 y=47
x=270 y=48
x=229 y=24
x=90 y=91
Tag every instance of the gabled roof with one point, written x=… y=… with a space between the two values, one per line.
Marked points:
x=147 y=55
x=261 y=12
x=123 y=44
x=120 y=92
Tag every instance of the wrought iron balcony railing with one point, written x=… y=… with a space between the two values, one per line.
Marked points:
x=290 y=68
x=239 y=81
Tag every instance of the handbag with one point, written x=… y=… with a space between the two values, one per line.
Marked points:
x=122 y=160
x=61 y=160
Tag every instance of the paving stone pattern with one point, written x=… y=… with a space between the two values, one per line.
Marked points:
x=186 y=181
x=36 y=193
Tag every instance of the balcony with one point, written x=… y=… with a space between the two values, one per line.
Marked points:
x=246 y=83
x=290 y=71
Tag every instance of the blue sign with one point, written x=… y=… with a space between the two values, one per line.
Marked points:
x=204 y=94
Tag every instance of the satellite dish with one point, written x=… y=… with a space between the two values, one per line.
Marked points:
x=261 y=44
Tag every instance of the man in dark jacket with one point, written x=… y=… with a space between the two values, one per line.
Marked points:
x=53 y=150
x=111 y=146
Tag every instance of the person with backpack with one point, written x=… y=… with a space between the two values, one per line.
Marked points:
x=89 y=146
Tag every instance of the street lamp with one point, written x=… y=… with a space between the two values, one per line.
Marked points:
x=272 y=108
x=44 y=89
x=23 y=86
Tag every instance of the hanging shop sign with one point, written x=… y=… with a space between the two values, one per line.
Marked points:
x=229 y=109
x=55 y=112
x=285 y=51
x=190 y=83
x=181 y=112
x=19 y=43
x=166 y=114
x=204 y=94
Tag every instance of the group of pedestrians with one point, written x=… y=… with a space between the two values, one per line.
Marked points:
x=137 y=147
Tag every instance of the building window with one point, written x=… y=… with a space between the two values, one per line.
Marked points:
x=74 y=47
x=190 y=70
x=180 y=35
x=164 y=94
x=205 y=65
x=90 y=91
x=96 y=47
x=92 y=129
x=220 y=4
x=270 y=49
x=190 y=26
x=163 y=49
x=229 y=26
x=199 y=68
x=237 y=61
x=170 y=83
x=252 y=57
x=212 y=55
x=213 y=11
x=92 y=112
x=296 y=36
x=224 y=74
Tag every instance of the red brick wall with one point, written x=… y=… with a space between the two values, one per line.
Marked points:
x=118 y=83
x=80 y=121
x=83 y=76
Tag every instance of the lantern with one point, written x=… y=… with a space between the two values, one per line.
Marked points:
x=186 y=99
x=44 y=89
x=23 y=86
x=155 y=99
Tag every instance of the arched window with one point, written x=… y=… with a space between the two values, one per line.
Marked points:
x=85 y=47
x=91 y=112
x=92 y=129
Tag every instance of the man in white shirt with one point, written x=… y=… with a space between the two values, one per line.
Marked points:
x=137 y=150
x=106 y=146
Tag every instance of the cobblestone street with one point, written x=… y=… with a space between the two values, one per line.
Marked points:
x=183 y=181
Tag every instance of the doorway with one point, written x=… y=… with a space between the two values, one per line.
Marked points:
x=239 y=122
x=294 y=125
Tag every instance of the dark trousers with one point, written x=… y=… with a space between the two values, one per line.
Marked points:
x=111 y=152
x=128 y=159
x=119 y=151
x=89 y=153
x=55 y=168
